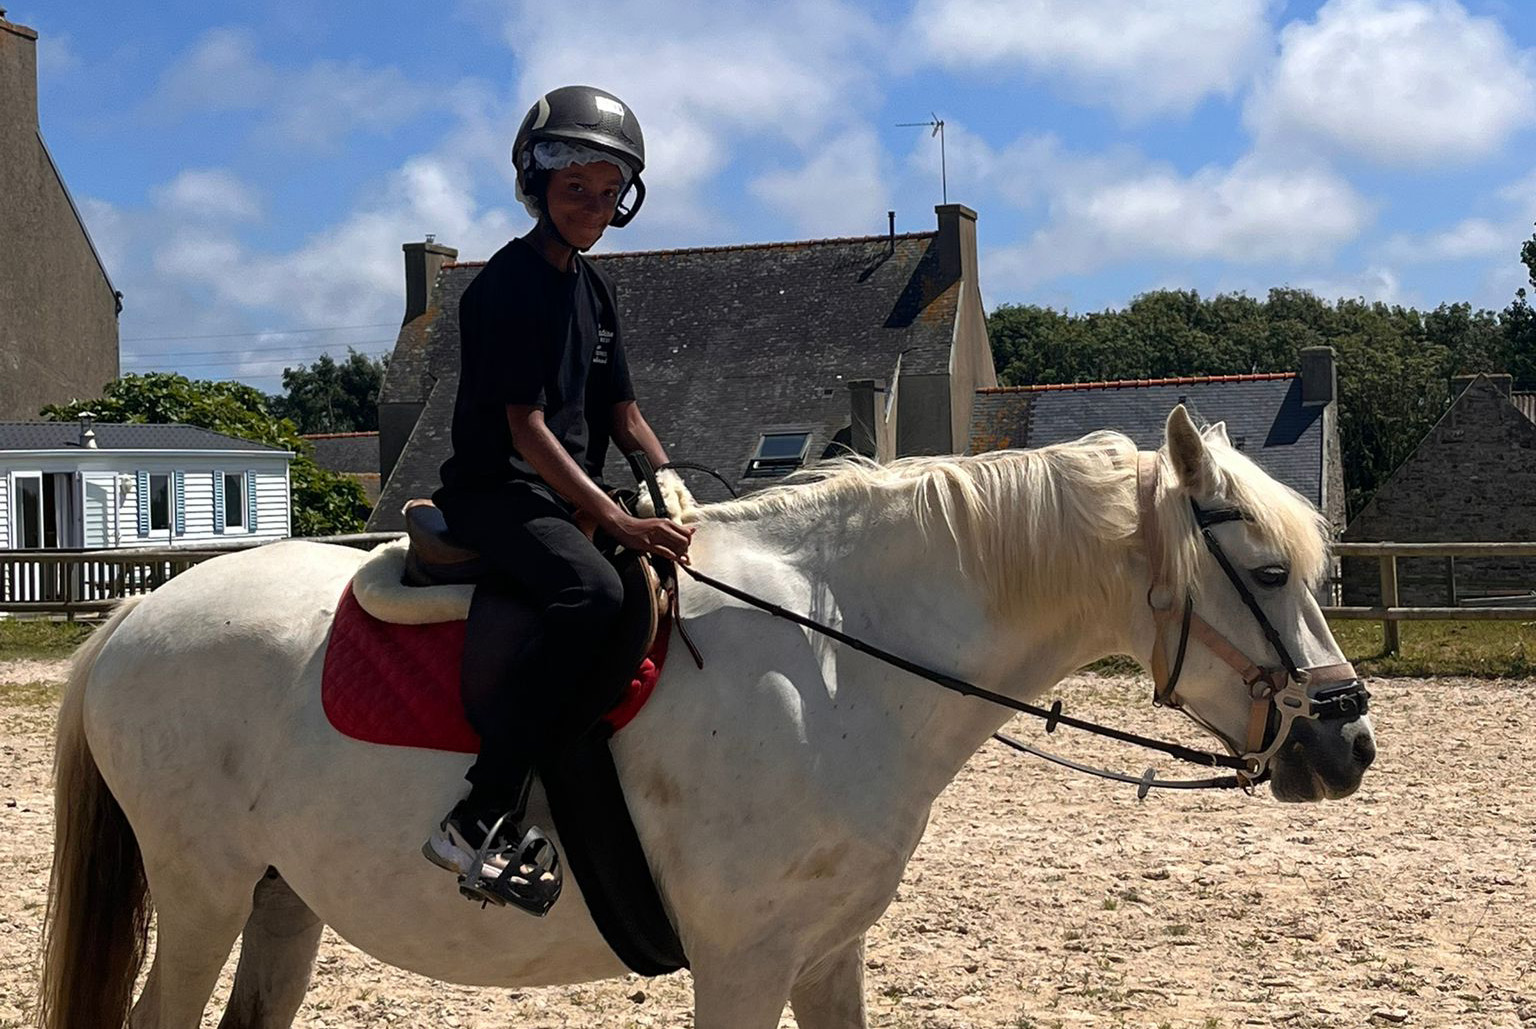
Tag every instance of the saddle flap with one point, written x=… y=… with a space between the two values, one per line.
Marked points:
x=435 y=557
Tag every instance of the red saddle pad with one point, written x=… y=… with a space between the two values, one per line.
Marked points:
x=399 y=684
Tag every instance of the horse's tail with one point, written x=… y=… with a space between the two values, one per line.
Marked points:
x=96 y=927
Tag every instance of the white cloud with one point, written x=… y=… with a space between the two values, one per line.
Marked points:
x=186 y=269
x=350 y=272
x=1497 y=237
x=1027 y=172
x=838 y=192
x=1469 y=238
x=1106 y=208
x=1138 y=56
x=211 y=194
x=56 y=55
x=707 y=79
x=1401 y=82
x=1375 y=284
x=315 y=106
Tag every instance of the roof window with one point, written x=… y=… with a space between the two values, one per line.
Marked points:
x=778 y=453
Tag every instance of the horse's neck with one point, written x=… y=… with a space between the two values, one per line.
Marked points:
x=877 y=576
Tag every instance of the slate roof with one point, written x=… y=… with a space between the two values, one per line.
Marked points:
x=120 y=436
x=355 y=452
x=723 y=343
x=1264 y=415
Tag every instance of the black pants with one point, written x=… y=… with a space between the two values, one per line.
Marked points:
x=528 y=535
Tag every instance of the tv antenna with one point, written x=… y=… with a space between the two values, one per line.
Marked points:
x=937 y=125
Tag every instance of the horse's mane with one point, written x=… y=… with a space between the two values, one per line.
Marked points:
x=1024 y=522
x=1035 y=526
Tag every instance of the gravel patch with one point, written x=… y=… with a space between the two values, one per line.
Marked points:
x=1041 y=899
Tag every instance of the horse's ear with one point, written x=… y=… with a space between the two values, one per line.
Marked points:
x=1217 y=432
x=1186 y=451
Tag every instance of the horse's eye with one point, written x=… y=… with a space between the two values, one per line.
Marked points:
x=1271 y=576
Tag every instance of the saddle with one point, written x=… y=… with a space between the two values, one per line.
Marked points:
x=500 y=621
x=586 y=799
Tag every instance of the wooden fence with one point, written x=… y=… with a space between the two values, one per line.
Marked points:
x=1390 y=613
x=77 y=582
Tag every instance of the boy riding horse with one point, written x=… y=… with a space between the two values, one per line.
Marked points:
x=543 y=388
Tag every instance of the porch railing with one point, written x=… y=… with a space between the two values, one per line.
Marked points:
x=83 y=582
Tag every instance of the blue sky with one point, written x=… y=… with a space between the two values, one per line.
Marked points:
x=250 y=171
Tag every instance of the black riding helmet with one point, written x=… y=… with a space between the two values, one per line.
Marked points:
x=589 y=117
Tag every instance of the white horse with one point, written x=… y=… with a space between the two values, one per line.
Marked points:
x=779 y=792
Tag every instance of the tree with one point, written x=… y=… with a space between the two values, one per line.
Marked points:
x=1395 y=363
x=324 y=502
x=331 y=397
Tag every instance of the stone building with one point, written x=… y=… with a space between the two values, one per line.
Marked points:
x=1287 y=422
x=750 y=359
x=1471 y=480
x=58 y=309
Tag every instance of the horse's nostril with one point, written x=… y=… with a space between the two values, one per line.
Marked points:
x=1365 y=750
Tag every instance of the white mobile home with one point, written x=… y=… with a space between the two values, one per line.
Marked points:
x=95 y=485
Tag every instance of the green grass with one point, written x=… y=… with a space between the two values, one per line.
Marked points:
x=1502 y=650
x=40 y=637
x=1505 y=650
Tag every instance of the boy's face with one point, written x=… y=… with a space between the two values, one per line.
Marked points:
x=581 y=200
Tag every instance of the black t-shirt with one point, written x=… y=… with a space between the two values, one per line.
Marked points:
x=530 y=333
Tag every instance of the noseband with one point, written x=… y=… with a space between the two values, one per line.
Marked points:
x=1279 y=695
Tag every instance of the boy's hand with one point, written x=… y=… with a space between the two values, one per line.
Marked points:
x=652 y=535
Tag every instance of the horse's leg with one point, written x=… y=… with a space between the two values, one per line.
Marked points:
x=277 y=955
x=189 y=954
x=197 y=920
x=739 y=991
x=830 y=993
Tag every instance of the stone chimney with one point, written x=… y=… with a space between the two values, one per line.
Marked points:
x=869 y=430
x=422 y=263
x=18 y=81
x=1319 y=377
x=957 y=242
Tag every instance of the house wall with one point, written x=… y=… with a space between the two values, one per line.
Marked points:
x=1472 y=479
x=1334 y=506
x=971 y=366
x=58 y=313
x=110 y=512
x=100 y=509
x=923 y=423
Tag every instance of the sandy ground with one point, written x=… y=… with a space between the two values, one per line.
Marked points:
x=1043 y=899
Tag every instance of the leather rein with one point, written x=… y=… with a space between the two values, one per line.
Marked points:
x=1279 y=695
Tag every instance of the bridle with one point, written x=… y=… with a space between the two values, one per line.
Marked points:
x=1278 y=695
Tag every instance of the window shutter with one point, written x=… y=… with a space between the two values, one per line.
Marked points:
x=218 y=501
x=250 y=500
x=179 y=488
x=143 y=498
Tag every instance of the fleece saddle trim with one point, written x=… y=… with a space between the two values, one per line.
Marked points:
x=378 y=584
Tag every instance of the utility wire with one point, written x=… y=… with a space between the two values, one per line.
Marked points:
x=232 y=362
x=236 y=335
x=293 y=347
